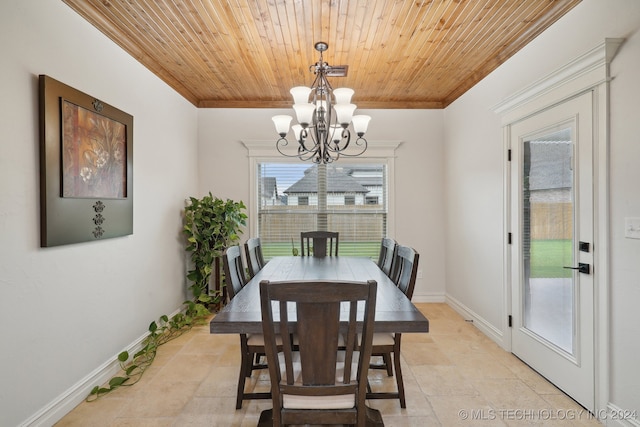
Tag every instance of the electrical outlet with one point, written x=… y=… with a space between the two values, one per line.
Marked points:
x=632 y=228
x=419 y=274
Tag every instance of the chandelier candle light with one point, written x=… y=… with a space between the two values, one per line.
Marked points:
x=324 y=115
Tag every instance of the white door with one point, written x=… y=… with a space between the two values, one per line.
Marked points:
x=551 y=210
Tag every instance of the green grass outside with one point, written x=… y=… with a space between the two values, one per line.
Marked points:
x=367 y=249
x=548 y=257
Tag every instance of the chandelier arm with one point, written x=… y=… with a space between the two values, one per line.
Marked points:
x=303 y=141
x=359 y=142
x=336 y=148
x=283 y=142
x=306 y=155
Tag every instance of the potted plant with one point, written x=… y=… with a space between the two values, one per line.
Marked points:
x=211 y=225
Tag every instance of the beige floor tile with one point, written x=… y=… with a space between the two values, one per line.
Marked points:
x=410 y=421
x=160 y=399
x=211 y=412
x=458 y=411
x=476 y=366
x=187 y=368
x=205 y=344
x=142 y=422
x=100 y=413
x=221 y=382
x=454 y=376
x=442 y=381
x=509 y=394
x=417 y=353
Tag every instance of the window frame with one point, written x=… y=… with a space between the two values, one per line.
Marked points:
x=261 y=151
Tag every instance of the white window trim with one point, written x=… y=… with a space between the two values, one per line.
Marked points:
x=264 y=151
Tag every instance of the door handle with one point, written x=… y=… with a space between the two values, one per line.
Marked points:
x=582 y=268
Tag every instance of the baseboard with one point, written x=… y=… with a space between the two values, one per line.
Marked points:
x=429 y=297
x=487 y=328
x=76 y=394
x=618 y=417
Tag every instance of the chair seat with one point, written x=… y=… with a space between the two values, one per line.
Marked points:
x=318 y=402
x=382 y=338
x=344 y=401
x=258 y=340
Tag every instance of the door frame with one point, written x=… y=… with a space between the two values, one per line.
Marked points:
x=588 y=72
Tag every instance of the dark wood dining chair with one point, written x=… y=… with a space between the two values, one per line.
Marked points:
x=319 y=243
x=386 y=345
x=251 y=345
x=387 y=255
x=324 y=380
x=253 y=254
x=234 y=276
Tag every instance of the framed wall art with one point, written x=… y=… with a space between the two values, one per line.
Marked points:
x=86 y=167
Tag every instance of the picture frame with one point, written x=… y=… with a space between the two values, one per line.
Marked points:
x=86 y=167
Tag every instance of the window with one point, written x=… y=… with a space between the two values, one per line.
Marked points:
x=348 y=198
x=371 y=200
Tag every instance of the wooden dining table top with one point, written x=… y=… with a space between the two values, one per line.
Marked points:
x=394 y=311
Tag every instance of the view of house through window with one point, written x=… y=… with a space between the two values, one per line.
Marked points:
x=348 y=198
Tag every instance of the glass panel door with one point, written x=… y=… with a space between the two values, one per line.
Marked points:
x=547 y=238
x=551 y=215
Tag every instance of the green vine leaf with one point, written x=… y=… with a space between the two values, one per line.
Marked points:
x=117 y=381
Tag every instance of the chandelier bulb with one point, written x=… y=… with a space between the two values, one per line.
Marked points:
x=344 y=113
x=300 y=94
x=343 y=95
x=282 y=124
x=360 y=124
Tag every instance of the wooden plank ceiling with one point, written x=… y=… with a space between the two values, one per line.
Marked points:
x=249 y=53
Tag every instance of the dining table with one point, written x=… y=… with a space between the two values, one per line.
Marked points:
x=394 y=311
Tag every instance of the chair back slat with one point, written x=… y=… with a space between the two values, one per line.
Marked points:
x=318 y=346
x=253 y=254
x=233 y=270
x=387 y=255
x=319 y=243
x=406 y=269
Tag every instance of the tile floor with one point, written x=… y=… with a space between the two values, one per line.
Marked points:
x=454 y=376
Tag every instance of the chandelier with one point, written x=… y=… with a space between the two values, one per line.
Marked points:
x=324 y=116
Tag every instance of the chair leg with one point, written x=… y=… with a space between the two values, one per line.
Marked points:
x=241 y=379
x=249 y=362
x=398 y=369
x=246 y=360
x=386 y=357
x=257 y=363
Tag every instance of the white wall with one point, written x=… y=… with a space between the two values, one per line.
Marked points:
x=625 y=202
x=67 y=310
x=224 y=170
x=474 y=163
